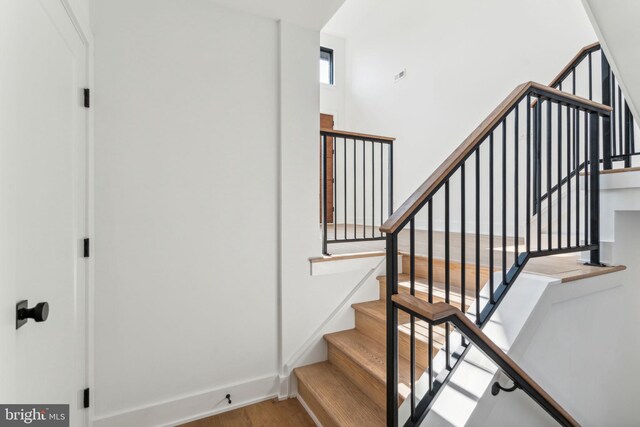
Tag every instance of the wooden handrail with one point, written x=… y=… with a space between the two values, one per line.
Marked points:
x=442 y=173
x=574 y=62
x=437 y=312
x=441 y=312
x=571 y=65
x=356 y=135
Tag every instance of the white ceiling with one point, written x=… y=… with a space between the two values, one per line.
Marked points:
x=312 y=14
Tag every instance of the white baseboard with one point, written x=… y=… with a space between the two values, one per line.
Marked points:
x=183 y=409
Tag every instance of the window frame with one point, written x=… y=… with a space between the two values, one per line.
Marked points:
x=329 y=52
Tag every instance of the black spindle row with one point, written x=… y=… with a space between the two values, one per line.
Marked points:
x=597 y=82
x=356 y=190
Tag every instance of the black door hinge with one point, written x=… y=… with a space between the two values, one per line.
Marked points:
x=86 y=400
x=86 y=248
x=87 y=98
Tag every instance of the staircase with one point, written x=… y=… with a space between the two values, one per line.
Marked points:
x=349 y=389
x=546 y=140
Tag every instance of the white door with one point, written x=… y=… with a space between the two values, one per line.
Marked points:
x=43 y=204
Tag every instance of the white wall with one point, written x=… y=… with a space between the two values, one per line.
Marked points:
x=307 y=301
x=81 y=14
x=186 y=102
x=207 y=154
x=462 y=58
x=581 y=345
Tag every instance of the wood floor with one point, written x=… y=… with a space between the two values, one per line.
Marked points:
x=271 y=413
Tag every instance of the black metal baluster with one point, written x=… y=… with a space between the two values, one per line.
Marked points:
x=528 y=186
x=462 y=244
x=412 y=291
x=447 y=270
x=628 y=126
x=355 y=191
x=576 y=154
x=607 y=141
x=569 y=173
x=594 y=177
x=516 y=200
x=538 y=168
x=632 y=139
x=373 y=189
x=324 y=195
x=335 y=192
x=364 y=189
x=477 y=290
x=390 y=190
x=504 y=201
x=590 y=79
x=430 y=284
x=559 y=191
x=618 y=113
x=549 y=174
x=573 y=77
x=381 y=185
x=587 y=152
x=345 y=188
x=614 y=151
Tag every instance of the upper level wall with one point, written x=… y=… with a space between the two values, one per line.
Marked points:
x=332 y=97
x=461 y=59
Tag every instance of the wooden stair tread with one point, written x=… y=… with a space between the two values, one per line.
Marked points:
x=369 y=354
x=378 y=310
x=342 y=400
x=618 y=170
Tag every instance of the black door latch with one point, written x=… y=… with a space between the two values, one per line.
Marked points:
x=39 y=313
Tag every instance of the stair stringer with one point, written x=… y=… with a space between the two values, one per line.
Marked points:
x=570 y=349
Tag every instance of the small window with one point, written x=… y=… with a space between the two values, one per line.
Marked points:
x=326 y=65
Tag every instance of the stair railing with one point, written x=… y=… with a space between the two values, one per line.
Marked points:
x=445 y=314
x=589 y=75
x=531 y=149
x=356 y=187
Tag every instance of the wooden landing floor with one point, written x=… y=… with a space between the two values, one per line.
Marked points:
x=566 y=267
x=270 y=413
